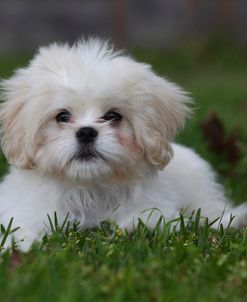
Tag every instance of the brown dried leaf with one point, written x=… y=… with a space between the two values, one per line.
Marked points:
x=220 y=142
x=232 y=146
x=214 y=132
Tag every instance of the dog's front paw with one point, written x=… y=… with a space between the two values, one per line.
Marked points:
x=20 y=240
x=238 y=216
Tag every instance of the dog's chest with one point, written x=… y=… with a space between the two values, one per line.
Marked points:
x=90 y=207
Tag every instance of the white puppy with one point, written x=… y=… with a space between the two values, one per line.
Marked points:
x=88 y=131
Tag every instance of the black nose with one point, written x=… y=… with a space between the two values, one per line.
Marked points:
x=86 y=135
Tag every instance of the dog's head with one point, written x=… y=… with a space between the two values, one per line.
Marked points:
x=87 y=113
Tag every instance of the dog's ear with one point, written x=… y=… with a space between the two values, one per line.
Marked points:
x=12 y=119
x=163 y=108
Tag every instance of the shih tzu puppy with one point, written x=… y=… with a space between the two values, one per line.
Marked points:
x=88 y=132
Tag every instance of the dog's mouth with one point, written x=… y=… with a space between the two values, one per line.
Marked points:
x=87 y=155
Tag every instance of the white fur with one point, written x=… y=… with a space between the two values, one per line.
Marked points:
x=89 y=79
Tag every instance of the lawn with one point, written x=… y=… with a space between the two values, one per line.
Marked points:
x=193 y=264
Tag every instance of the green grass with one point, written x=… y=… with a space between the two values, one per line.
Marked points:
x=193 y=264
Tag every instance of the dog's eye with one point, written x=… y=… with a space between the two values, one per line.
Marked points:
x=112 y=116
x=63 y=116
